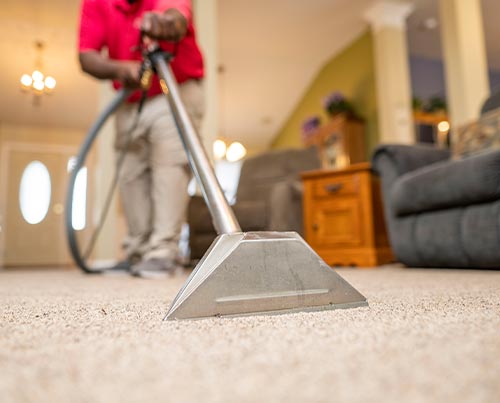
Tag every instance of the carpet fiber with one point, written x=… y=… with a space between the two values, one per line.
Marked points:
x=428 y=336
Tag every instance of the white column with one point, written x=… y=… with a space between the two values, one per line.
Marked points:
x=205 y=16
x=388 y=23
x=466 y=67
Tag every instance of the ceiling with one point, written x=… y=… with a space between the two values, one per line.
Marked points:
x=54 y=22
x=427 y=43
x=270 y=51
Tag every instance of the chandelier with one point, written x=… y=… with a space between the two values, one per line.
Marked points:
x=232 y=153
x=37 y=82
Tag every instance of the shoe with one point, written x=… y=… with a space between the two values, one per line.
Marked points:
x=126 y=264
x=154 y=267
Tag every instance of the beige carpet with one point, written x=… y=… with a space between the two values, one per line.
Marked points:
x=428 y=336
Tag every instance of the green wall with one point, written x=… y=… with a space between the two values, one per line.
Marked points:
x=351 y=72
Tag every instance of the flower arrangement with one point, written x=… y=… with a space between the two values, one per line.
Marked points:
x=310 y=127
x=336 y=103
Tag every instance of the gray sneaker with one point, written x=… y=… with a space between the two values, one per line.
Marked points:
x=154 y=267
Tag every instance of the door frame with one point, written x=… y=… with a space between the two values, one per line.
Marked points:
x=6 y=149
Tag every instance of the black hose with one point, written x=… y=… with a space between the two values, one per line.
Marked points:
x=121 y=96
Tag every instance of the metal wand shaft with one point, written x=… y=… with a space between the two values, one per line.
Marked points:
x=223 y=217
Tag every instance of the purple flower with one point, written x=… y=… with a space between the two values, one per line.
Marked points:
x=336 y=103
x=310 y=126
x=334 y=98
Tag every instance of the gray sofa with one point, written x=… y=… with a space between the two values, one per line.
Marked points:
x=269 y=197
x=441 y=212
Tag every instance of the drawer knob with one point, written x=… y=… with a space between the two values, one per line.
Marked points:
x=333 y=187
x=315 y=226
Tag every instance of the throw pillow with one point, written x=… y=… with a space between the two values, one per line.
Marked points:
x=476 y=137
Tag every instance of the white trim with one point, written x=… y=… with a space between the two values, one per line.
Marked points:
x=388 y=14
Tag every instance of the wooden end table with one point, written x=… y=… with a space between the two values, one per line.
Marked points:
x=343 y=216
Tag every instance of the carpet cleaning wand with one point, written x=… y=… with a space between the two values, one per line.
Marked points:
x=245 y=273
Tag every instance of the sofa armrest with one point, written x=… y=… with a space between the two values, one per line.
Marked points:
x=198 y=216
x=201 y=229
x=406 y=158
x=392 y=161
x=285 y=206
x=450 y=184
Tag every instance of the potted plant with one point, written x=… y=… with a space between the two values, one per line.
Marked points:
x=417 y=104
x=337 y=103
x=436 y=105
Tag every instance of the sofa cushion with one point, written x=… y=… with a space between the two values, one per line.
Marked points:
x=252 y=215
x=448 y=184
x=260 y=173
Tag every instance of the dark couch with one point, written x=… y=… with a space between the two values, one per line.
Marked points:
x=441 y=213
x=268 y=198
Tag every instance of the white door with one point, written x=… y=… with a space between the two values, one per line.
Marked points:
x=34 y=180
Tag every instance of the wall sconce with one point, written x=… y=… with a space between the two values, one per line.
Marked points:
x=36 y=82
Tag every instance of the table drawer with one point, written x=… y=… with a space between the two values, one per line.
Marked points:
x=341 y=185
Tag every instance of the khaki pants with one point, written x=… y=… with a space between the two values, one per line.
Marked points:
x=154 y=175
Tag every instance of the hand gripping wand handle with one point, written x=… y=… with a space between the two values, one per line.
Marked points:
x=223 y=217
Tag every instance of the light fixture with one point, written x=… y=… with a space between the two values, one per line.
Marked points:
x=219 y=149
x=235 y=152
x=443 y=126
x=37 y=83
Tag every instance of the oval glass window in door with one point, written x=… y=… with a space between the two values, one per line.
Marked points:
x=35 y=192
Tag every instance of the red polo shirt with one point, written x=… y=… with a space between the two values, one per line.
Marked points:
x=115 y=25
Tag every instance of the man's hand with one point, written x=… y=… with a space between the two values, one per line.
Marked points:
x=126 y=71
x=169 y=26
x=129 y=73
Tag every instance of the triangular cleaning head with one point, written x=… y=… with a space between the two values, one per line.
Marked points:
x=261 y=273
